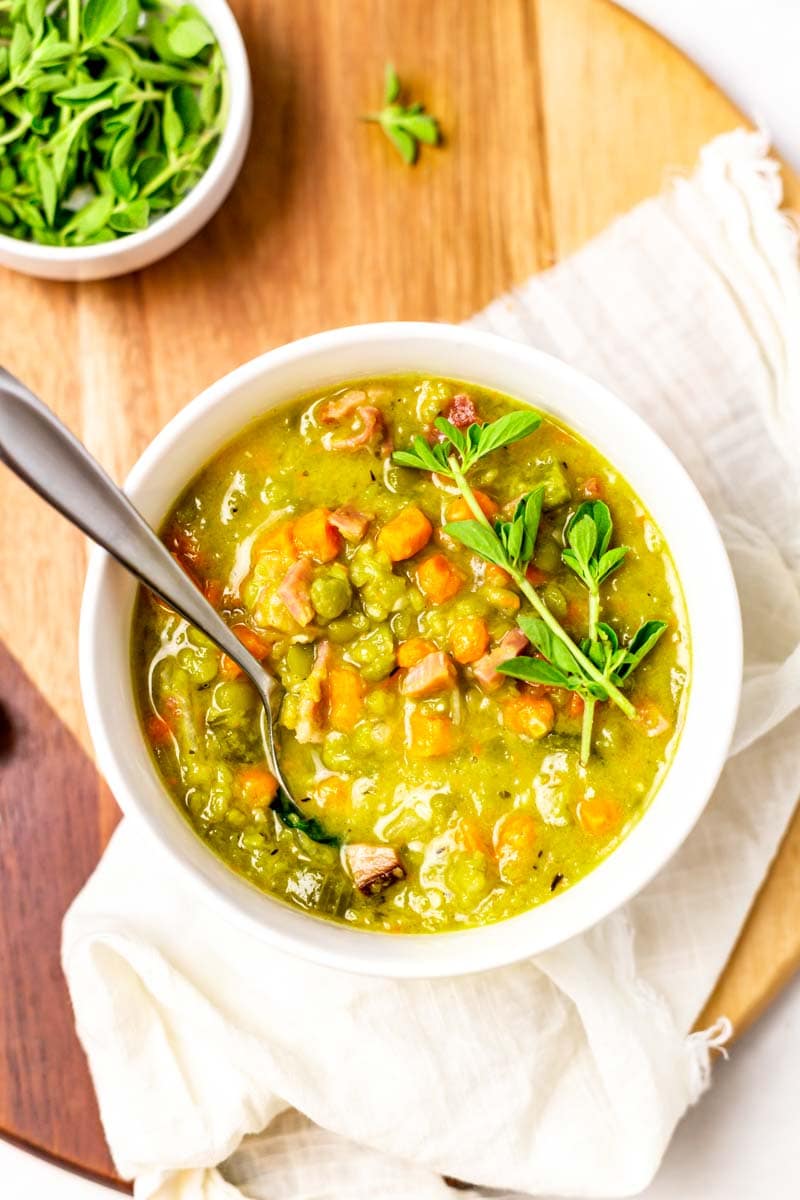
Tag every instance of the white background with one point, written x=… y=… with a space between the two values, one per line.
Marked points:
x=742 y=1142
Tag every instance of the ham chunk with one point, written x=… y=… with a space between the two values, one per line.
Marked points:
x=370 y=421
x=313 y=698
x=351 y=523
x=372 y=868
x=461 y=411
x=332 y=412
x=433 y=673
x=510 y=645
x=295 y=591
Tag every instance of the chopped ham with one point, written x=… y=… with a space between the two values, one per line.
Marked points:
x=511 y=645
x=295 y=591
x=461 y=411
x=313 y=698
x=433 y=673
x=372 y=868
x=351 y=523
x=334 y=411
x=371 y=421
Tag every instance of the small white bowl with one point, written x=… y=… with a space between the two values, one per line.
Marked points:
x=167 y=232
x=196 y=433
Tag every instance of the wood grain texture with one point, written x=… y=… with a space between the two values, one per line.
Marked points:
x=559 y=115
x=54 y=817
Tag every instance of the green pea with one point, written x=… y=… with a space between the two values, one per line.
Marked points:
x=299 y=660
x=503 y=598
x=337 y=753
x=374 y=654
x=467 y=877
x=232 y=700
x=380 y=702
x=555 y=600
x=548 y=555
x=361 y=741
x=470 y=606
x=252 y=839
x=199 y=639
x=403 y=624
x=556 y=485
x=200 y=665
x=343 y=630
x=434 y=622
x=330 y=596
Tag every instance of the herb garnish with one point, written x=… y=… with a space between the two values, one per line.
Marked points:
x=294 y=818
x=588 y=534
x=404 y=125
x=598 y=667
x=110 y=112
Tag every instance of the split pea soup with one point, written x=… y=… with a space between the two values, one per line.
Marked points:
x=481 y=641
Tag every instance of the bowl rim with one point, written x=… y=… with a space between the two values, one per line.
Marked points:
x=229 y=38
x=687 y=783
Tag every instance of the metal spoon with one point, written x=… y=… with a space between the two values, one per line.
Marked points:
x=51 y=460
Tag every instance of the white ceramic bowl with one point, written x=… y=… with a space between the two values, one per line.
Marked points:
x=167 y=232
x=206 y=424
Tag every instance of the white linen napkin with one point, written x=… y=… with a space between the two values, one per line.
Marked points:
x=564 y=1074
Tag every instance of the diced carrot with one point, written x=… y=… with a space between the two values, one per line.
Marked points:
x=333 y=793
x=576 y=706
x=514 y=839
x=345 y=698
x=276 y=543
x=430 y=736
x=535 y=576
x=459 y=510
x=258 y=647
x=469 y=638
x=598 y=815
x=591 y=488
x=406 y=534
x=158 y=731
x=530 y=715
x=496 y=575
x=469 y=836
x=412 y=651
x=651 y=719
x=315 y=537
x=257 y=786
x=438 y=579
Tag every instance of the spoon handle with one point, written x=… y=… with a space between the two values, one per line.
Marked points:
x=51 y=460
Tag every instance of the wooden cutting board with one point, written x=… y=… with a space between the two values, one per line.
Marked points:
x=559 y=115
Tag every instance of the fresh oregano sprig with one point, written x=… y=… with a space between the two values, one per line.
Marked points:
x=559 y=668
x=110 y=112
x=471 y=444
x=405 y=125
x=508 y=544
x=589 y=554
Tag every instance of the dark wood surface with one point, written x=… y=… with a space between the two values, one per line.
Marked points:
x=559 y=115
x=55 y=816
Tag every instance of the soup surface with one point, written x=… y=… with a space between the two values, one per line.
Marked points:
x=432 y=790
